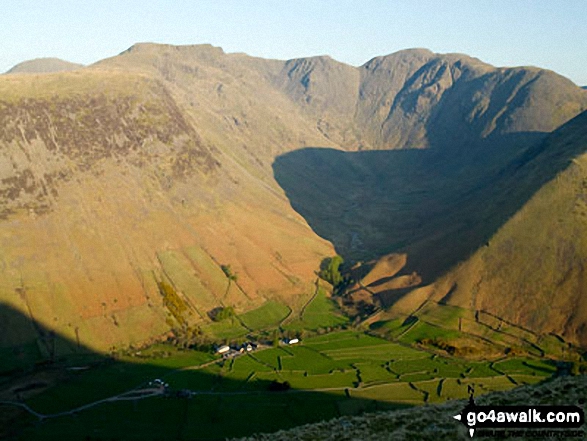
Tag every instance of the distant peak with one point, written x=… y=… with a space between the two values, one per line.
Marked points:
x=315 y=61
x=44 y=65
x=423 y=56
x=316 y=58
x=414 y=51
x=312 y=59
x=405 y=54
x=155 y=47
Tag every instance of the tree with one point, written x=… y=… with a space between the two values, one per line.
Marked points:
x=229 y=275
x=276 y=386
x=221 y=313
x=330 y=270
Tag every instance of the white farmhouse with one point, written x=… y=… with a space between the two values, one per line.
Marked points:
x=223 y=349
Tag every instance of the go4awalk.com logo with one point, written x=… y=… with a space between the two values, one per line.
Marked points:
x=528 y=421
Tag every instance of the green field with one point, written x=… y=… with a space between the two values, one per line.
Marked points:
x=343 y=340
x=422 y=330
x=400 y=391
x=269 y=315
x=341 y=373
x=527 y=367
x=320 y=312
x=461 y=332
x=226 y=329
x=373 y=373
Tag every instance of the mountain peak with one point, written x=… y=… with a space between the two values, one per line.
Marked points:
x=148 y=47
x=44 y=65
x=421 y=56
x=405 y=54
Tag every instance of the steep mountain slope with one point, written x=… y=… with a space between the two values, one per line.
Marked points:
x=108 y=189
x=44 y=65
x=165 y=162
x=532 y=271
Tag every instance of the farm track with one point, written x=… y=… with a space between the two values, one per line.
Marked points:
x=300 y=315
x=140 y=394
x=132 y=395
x=316 y=291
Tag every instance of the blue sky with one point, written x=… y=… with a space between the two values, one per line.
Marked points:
x=549 y=34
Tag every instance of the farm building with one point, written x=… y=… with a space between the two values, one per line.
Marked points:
x=223 y=349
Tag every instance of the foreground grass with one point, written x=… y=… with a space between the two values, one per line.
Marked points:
x=433 y=422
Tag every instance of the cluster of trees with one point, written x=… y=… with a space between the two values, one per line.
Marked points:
x=221 y=313
x=276 y=386
x=230 y=275
x=330 y=271
x=439 y=344
x=190 y=337
x=173 y=302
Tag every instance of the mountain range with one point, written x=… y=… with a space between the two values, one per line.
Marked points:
x=447 y=182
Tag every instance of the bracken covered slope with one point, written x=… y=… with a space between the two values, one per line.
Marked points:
x=108 y=189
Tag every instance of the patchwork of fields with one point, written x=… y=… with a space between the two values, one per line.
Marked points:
x=340 y=373
x=319 y=312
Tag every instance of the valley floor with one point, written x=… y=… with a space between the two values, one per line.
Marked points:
x=208 y=397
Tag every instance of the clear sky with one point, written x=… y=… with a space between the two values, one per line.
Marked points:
x=546 y=33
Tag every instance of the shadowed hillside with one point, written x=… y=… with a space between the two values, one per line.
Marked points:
x=373 y=203
x=535 y=261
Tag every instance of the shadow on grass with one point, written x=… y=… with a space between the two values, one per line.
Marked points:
x=71 y=391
